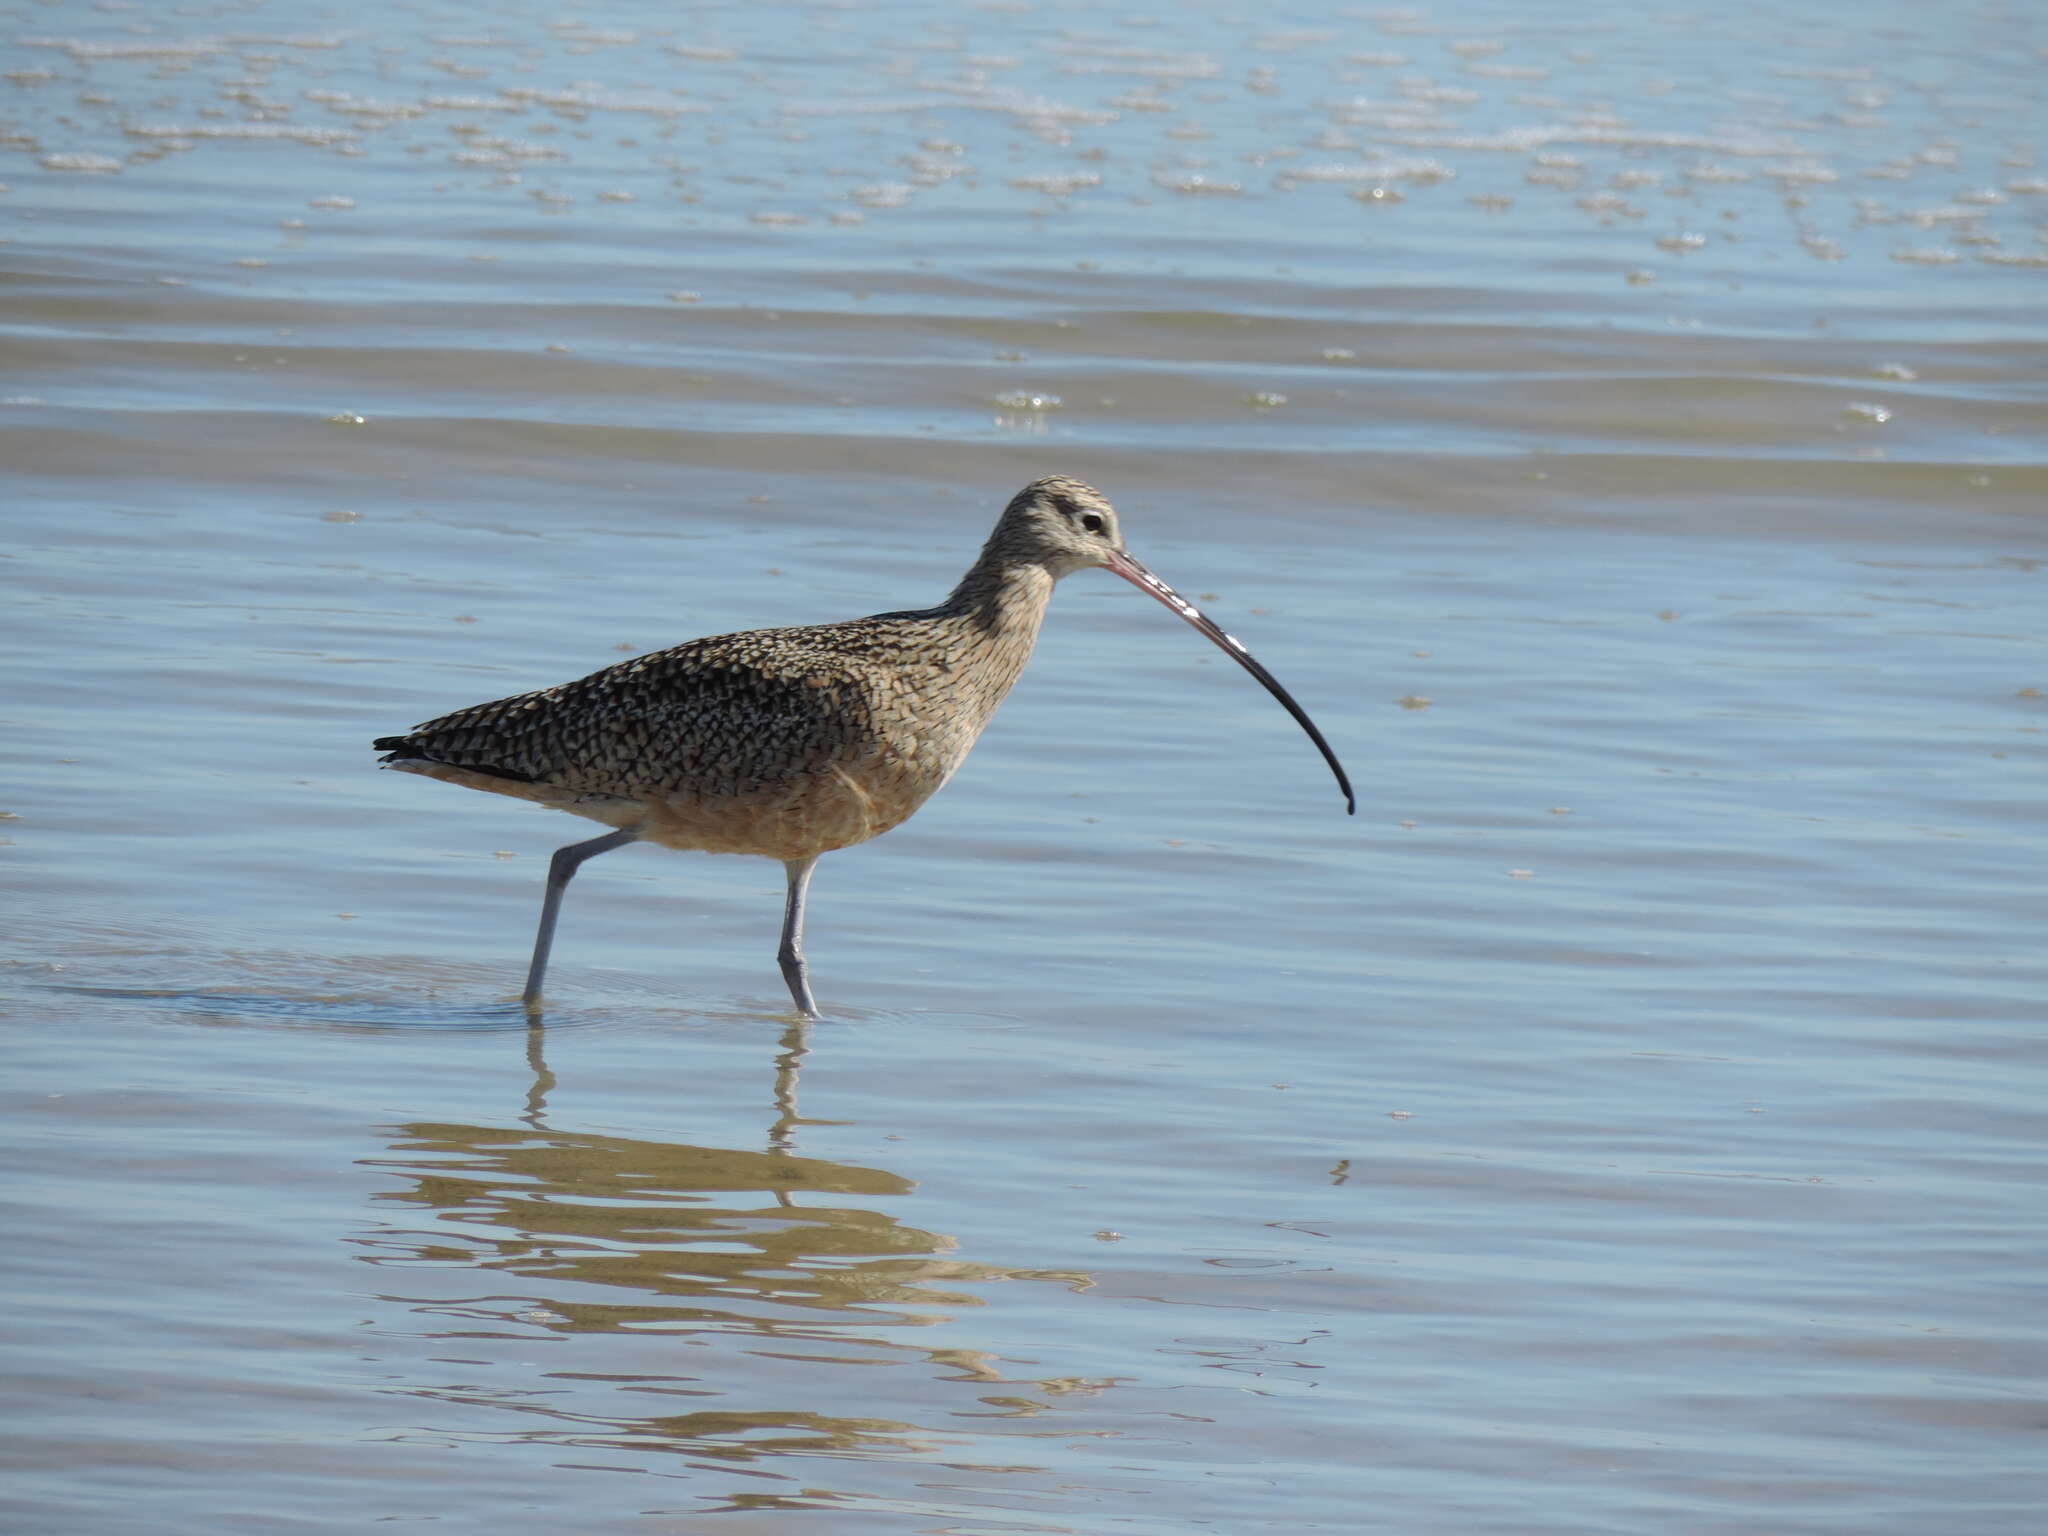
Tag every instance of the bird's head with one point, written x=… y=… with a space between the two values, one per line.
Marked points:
x=1062 y=525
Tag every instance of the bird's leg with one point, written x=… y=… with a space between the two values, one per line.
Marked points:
x=561 y=869
x=791 y=956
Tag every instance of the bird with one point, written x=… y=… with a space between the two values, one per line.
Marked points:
x=792 y=743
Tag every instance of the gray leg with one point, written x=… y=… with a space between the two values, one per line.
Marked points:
x=561 y=869
x=791 y=956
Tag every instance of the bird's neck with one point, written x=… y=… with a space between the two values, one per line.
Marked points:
x=1004 y=599
x=995 y=613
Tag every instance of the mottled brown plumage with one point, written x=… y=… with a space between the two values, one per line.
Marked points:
x=790 y=743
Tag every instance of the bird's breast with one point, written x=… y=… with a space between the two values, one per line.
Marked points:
x=854 y=795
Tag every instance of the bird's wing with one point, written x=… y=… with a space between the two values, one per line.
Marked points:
x=720 y=716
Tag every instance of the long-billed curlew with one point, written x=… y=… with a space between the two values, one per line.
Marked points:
x=789 y=743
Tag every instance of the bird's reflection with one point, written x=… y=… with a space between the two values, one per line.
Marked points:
x=667 y=1271
x=794 y=1046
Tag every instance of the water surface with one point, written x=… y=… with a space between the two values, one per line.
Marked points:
x=1623 y=433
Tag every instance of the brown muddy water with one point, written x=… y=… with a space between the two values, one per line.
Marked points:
x=1624 y=433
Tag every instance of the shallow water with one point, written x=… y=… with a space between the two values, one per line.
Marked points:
x=1625 y=437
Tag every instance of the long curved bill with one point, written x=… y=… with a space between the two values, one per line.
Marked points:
x=1145 y=581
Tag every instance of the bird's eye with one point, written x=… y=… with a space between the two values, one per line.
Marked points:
x=1092 y=522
